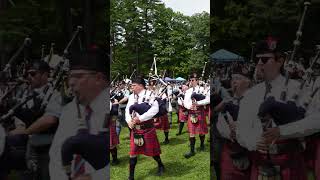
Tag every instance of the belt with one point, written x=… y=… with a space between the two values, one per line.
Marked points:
x=144 y=126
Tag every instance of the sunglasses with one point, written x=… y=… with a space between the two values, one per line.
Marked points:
x=264 y=60
x=192 y=80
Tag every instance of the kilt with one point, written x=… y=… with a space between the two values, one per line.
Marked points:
x=114 y=139
x=151 y=145
x=291 y=164
x=312 y=154
x=201 y=126
x=182 y=116
x=162 y=123
x=228 y=170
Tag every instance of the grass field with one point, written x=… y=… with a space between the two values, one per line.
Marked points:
x=176 y=166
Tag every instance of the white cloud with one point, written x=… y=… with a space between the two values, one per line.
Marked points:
x=188 y=7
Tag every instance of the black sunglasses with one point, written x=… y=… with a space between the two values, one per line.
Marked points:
x=263 y=59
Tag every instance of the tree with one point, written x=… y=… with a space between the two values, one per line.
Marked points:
x=143 y=29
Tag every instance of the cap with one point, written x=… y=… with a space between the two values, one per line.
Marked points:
x=39 y=65
x=94 y=59
x=193 y=75
x=139 y=80
x=269 y=45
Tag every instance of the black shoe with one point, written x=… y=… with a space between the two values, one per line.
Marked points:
x=201 y=148
x=189 y=154
x=166 y=141
x=160 y=170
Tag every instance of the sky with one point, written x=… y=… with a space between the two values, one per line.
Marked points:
x=188 y=7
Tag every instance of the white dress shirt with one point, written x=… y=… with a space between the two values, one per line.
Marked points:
x=249 y=128
x=144 y=94
x=54 y=107
x=68 y=126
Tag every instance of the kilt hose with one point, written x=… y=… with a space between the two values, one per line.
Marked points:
x=151 y=145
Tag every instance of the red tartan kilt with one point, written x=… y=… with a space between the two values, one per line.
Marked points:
x=162 y=123
x=201 y=126
x=228 y=170
x=182 y=116
x=312 y=154
x=114 y=139
x=151 y=145
x=291 y=164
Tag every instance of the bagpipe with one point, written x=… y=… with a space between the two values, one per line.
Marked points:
x=59 y=74
x=8 y=102
x=92 y=148
x=13 y=81
x=145 y=106
x=287 y=110
x=8 y=67
x=197 y=96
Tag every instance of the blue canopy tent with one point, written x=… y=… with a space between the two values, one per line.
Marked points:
x=180 y=79
x=224 y=56
x=168 y=79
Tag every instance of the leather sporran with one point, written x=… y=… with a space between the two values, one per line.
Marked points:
x=138 y=139
x=240 y=160
x=269 y=172
x=194 y=118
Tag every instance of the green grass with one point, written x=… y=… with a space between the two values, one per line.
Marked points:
x=176 y=166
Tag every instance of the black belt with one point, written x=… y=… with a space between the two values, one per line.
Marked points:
x=144 y=126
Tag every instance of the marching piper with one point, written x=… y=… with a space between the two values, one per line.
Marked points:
x=183 y=112
x=282 y=159
x=114 y=138
x=88 y=81
x=234 y=160
x=39 y=125
x=140 y=111
x=196 y=115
